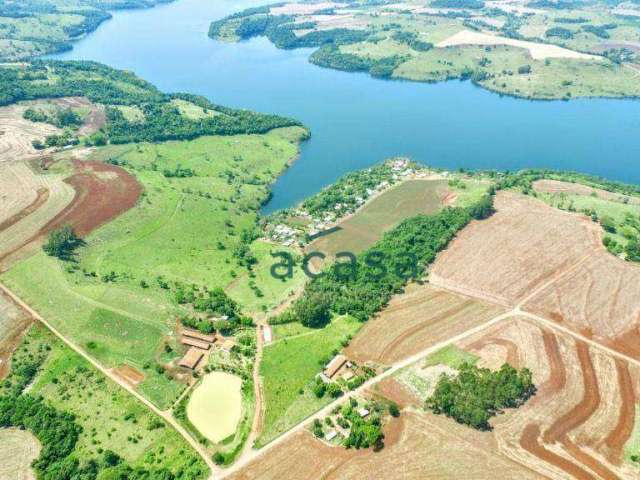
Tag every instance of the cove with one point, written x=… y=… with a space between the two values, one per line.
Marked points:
x=356 y=120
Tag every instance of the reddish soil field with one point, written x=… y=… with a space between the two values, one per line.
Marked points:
x=416 y=320
x=14 y=321
x=522 y=247
x=600 y=299
x=103 y=192
x=129 y=374
x=583 y=413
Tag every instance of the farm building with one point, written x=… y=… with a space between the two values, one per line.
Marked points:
x=363 y=412
x=227 y=344
x=335 y=365
x=199 y=336
x=191 y=358
x=192 y=342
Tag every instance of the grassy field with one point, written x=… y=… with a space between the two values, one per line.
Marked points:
x=288 y=366
x=407 y=39
x=267 y=292
x=37 y=27
x=110 y=418
x=183 y=229
x=451 y=356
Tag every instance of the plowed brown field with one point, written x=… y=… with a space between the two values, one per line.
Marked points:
x=523 y=246
x=577 y=424
x=420 y=446
x=13 y=323
x=416 y=320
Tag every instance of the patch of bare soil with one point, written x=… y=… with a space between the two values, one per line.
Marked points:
x=13 y=323
x=557 y=186
x=416 y=320
x=523 y=246
x=583 y=413
x=16 y=133
x=129 y=374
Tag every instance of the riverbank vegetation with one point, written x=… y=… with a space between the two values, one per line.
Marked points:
x=159 y=116
x=30 y=28
x=542 y=54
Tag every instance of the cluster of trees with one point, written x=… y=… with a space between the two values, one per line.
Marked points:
x=471 y=4
x=214 y=303
x=363 y=286
x=364 y=432
x=330 y=56
x=102 y=84
x=412 y=39
x=62 y=242
x=601 y=31
x=178 y=172
x=475 y=394
x=281 y=30
x=559 y=32
x=62 y=118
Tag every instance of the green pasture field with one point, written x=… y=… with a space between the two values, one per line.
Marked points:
x=176 y=231
x=273 y=290
x=110 y=418
x=451 y=356
x=289 y=366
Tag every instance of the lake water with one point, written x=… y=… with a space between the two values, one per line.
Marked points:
x=356 y=120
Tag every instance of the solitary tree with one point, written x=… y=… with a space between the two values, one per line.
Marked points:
x=62 y=242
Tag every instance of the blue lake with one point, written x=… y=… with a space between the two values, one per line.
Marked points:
x=356 y=120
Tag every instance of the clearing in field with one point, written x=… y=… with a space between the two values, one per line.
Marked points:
x=569 y=188
x=18 y=449
x=415 y=320
x=522 y=247
x=362 y=229
x=215 y=406
x=538 y=51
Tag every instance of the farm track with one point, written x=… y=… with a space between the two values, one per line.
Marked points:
x=616 y=440
x=42 y=195
x=166 y=415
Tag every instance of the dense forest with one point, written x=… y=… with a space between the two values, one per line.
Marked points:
x=163 y=120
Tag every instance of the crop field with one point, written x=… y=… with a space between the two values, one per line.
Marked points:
x=30 y=201
x=288 y=367
x=537 y=244
x=413 y=450
x=384 y=212
x=110 y=417
x=538 y=51
x=18 y=448
x=16 y=133
x=600 y=299
x=582 y=416
x=415 y=320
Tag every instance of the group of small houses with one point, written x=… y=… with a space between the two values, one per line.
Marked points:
x=289 y=236
x=200 y=344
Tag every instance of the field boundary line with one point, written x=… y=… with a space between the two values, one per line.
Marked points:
x=166 y=415
x=254 y=454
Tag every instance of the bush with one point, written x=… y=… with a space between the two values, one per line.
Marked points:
x=62 y=242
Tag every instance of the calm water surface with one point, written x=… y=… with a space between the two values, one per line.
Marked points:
x=356 y=120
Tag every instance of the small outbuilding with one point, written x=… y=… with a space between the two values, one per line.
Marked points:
x=335 y=365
